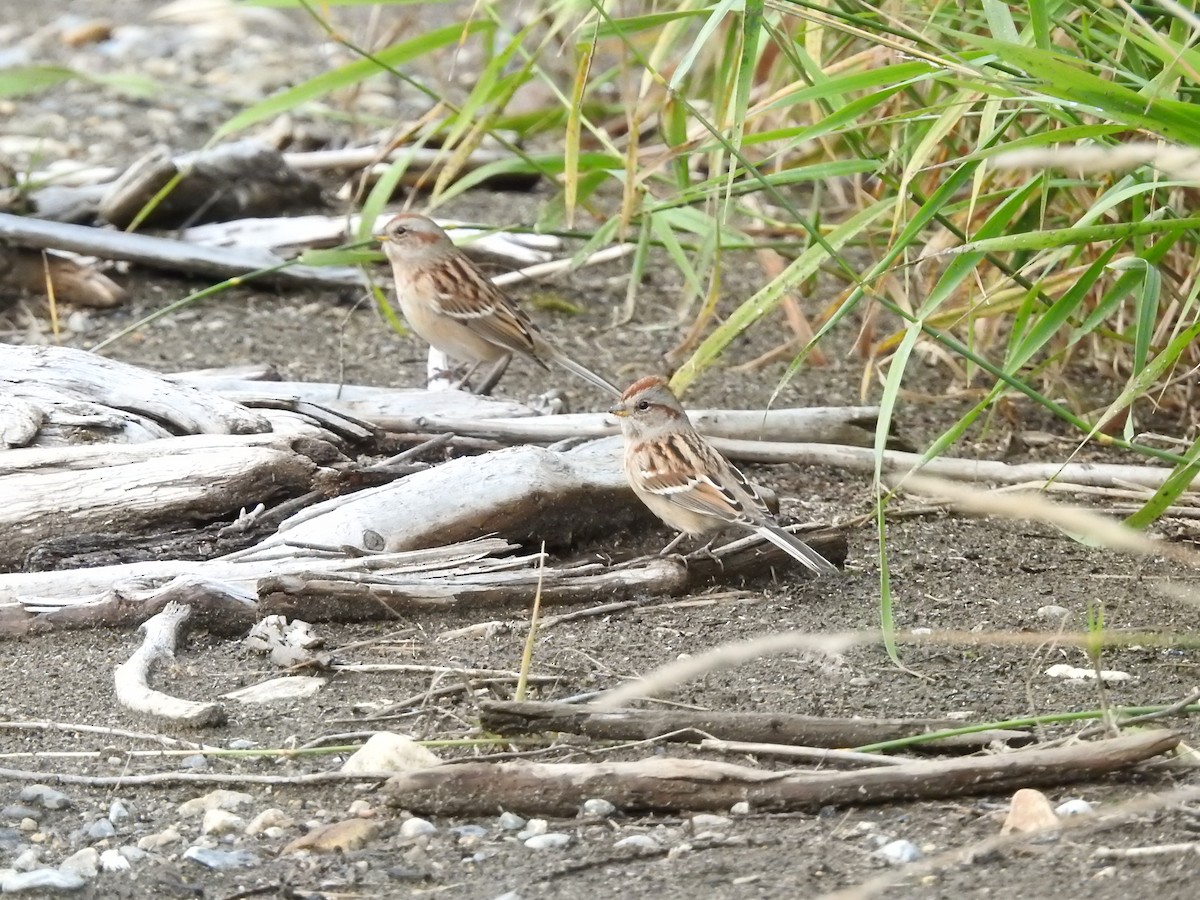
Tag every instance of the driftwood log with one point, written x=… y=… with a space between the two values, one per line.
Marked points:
x=513 y=718
x=129 y=489
x=670 y=785
x=50 y=396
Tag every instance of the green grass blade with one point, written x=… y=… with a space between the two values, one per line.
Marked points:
x=347 y=75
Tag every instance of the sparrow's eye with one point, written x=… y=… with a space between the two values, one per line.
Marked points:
x=643 y=405
x=399 y=231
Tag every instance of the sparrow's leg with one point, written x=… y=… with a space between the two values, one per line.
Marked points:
x=494 y=375
x=466 y=376
x=675 y=542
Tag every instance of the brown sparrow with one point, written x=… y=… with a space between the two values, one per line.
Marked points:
x=450 y=303
x=685 y=482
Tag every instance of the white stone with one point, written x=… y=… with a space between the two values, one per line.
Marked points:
x=220 y=821
x=218 y=799
x=29 y=860
x=510 y=821
x=389 y=752
x=1053 y=612
x=598 y=807
x=1075 y=807
x=741 y=808
x=269 y=818
x=111 y=860
x=85 y=862
x=898 y=853
x=416 y=827
x=160 y=839
x=551 y=840
x=533 y=828
x=362 y=809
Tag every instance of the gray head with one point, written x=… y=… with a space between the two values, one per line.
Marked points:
x=413 y=238
x=647 y=407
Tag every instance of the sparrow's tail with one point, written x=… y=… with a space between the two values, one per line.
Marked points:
x=796 y=548
x=552 y=352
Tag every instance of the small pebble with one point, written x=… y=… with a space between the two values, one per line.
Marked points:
x=1074 y=807
x=220 y=821
x=468 y=831
x=416 y=827
x=242 y=744
x=741 y=808
x=511 y=821
x=385 y=751
x=639 y=842
x=269 y=819
x=100 y=830
x=218 y=799
x=707 y=820
x=220 y=860
x=10 y=839
x=598 y=807
x=111 y=860
x=29 y=860
x=117 y=812
x=28 y=825
x=897 y=853
x=44 y=796
x=533 y=828
x=509 y=895
x=406 y=873
x=362 y=809
x=40 y=880
x=197 y=762
x=1053 y=613
x=16 y=812
x=550 y=840
x=85 y=862
x=131 y=853
x=160 y=839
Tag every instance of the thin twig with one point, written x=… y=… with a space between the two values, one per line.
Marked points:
x=791 y=751
x=111 y=732
x=190 y=778
x=1142 y=852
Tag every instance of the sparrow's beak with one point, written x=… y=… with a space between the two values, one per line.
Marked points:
x=619 y=410
x=381 y=237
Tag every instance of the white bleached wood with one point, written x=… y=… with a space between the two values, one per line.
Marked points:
x=518 y=491
x=131 y=679
x=87 y=397
x=368 y=403
x=862 y=459
x=131 y=488
x=237 y=575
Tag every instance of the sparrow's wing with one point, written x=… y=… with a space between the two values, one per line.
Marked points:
x=685 y=470
x=464 y=293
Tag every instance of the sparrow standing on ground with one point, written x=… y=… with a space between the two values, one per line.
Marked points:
x=449 y=302
x=688 y=484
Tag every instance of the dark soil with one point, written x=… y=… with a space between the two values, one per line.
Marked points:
x=948 y=573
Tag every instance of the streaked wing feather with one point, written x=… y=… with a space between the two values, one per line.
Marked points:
x=670 y=470
x=466 y=294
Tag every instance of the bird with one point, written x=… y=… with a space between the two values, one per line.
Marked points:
x=685 y=481
x=450 y=303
